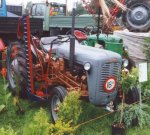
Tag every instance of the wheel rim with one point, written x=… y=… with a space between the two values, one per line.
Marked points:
x=138 y=16
x=54 y=106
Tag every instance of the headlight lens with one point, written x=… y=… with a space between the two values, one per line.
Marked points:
x=125 y=62
x=87 y=66
x=126 y=48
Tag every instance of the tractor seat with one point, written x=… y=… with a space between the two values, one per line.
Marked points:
x=45 y=44
x=80 y=35
x=47 y=40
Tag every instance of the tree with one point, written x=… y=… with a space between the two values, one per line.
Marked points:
x=28 y=7
x=80 y=9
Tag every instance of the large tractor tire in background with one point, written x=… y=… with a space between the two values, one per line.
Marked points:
x=137 y=17
x=16 y=69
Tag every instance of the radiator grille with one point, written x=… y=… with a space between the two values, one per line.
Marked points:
x=109 y=69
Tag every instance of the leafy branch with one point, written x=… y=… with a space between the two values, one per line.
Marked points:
x=129 y=80
x=5 y=96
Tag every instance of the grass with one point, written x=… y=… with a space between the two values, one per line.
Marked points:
x=98 y=127
x=103 y=126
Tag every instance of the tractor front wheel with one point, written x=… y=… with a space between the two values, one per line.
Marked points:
x=132 y=96
x=131 y=64
x=58 y=96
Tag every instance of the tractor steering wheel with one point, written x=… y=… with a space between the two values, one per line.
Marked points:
x=89 y=29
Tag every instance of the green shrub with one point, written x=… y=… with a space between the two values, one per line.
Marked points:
x=61 y=128
x=39 y=125
x=135 y=111
x=139 y=112
x=8 y=131
x=129 y=80
x=70 y=109
x=4 y=96
x=69 y=112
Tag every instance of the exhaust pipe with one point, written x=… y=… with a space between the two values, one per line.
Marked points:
x=98 y=24
x=72 y=42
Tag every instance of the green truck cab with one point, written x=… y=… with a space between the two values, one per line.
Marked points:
x=55 y=18
x=108 y=42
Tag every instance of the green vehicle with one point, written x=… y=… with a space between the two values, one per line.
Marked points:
x=104 y=41
x=56 y=22
x=55 y=18
x=108 y=42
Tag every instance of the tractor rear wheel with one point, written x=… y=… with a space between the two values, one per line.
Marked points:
x=58 y=96
x=16 y=68
x=137 y=17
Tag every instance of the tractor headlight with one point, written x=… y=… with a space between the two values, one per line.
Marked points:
x=125 y=62
x=87 y=66
x=126 y=48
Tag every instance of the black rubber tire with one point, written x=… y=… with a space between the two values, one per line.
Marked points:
x=60 y=93
x=132 y=96
x=116 y=102
x=131 y=64
x=128 y=23
x=54 y=31
x=21 y=62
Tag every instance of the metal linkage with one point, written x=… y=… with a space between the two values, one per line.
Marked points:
x=27 y=49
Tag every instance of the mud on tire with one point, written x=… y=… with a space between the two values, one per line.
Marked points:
x=16 y=66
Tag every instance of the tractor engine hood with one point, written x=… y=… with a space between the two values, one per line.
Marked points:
x=85 y=54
